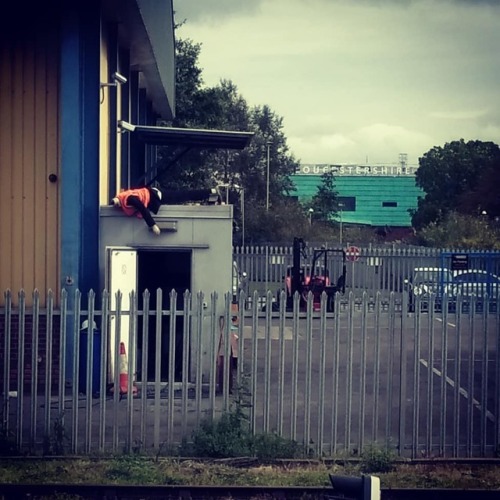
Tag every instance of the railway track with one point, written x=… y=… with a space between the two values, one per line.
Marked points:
x=125 y=492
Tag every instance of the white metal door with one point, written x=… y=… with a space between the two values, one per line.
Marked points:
x=122 y=277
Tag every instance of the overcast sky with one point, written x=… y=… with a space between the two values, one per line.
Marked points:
x=357 y=80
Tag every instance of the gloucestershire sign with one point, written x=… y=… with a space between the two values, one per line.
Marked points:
x=356 y=170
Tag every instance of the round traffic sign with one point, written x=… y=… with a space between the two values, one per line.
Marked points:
x=352 y=253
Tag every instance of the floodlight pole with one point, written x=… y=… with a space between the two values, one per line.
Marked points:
x=242 y=199
x=268 y=144
x=340 y=206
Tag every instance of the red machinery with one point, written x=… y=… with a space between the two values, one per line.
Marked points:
x=314 y=278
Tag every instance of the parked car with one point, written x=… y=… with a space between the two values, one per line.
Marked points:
x=427 y=281
x=476 y=282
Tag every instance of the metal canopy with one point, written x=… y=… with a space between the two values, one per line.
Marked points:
x=197 y=138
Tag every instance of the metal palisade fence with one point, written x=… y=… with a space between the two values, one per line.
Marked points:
x=83 y=376
x=369 y=269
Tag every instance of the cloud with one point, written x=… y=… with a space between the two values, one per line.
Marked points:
x=493 y=3
x=382 y=137
x=366 y=144
x=214 y=11
x=459 y=114
x=221 y=10
x=371 y=78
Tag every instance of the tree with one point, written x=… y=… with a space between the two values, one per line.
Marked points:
x=452 y=178
x=325 y=203
x=218 y=107
x=461 y=231
x=484 y=199
x=277 y=226
x=223 y=108
x=188 y=81
x=250 y=167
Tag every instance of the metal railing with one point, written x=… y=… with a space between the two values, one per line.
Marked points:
x=424 y=383
x=371 y=270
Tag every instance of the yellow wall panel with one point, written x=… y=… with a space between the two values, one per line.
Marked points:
x=5 y=168
x=28 y=170
x=52 y=244
x=29 y=152
x=40 y=180
x=17 y=216
x=104 y=124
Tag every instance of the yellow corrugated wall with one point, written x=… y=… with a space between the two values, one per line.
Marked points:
x=29 y=155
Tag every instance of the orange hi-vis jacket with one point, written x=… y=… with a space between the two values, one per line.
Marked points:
x=142 y=193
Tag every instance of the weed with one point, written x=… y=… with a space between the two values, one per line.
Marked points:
x=230 y=436
x=272 y=446
x=226 y=437
x=53 y=444
x=377 y=459
x=8 y=445
x=144 y=470
x=132 y=469
x=166 y=450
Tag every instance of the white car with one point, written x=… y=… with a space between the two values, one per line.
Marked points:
x=426 y=281
x=239 y=281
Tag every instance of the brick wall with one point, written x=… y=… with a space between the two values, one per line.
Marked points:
x=30 y=339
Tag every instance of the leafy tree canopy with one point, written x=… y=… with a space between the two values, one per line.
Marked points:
x=458 y=176
x=264 y=166
x=461 y=231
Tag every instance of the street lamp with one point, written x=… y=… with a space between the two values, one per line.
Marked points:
x=268 y=144
x=311 y=211
x=340 y=206
x=241 y=191
x=242 y=200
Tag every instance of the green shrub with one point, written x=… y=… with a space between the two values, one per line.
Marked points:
x=461 y=231
x=230 y=436
x=227 y=437
x=270 y=446
x=377 y=459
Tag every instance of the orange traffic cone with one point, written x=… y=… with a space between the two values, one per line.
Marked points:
x=123 y=367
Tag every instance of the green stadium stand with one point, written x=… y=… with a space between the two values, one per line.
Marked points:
x=370 y=200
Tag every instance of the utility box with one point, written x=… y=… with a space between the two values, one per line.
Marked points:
x=193 y=252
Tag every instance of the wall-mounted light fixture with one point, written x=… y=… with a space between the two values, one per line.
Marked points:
x=117 y=79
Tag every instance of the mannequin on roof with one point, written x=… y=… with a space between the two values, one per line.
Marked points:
x=142 y=201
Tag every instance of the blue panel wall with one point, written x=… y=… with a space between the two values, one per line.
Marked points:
x=80 y=34
x=80 y=146
x=371 y=193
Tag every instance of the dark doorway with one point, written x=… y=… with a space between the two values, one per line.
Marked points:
x=168 y=270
